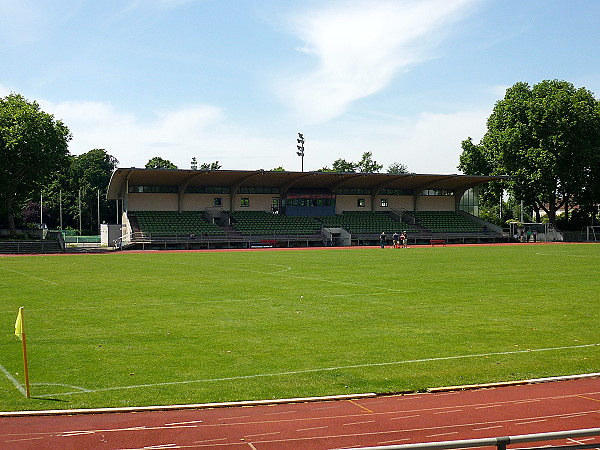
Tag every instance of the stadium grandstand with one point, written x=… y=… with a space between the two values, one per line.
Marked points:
x=190 y=209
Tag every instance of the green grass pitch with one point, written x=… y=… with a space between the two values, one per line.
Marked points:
x=129 y=329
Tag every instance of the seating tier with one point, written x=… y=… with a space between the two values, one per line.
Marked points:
x=169 y=223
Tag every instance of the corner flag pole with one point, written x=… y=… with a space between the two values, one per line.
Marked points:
x=20 y=332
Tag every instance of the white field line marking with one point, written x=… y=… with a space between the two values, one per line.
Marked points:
x=81 y=389
x=321 y=280
x=145 y=304
x=324 y=369
x=13 y=380
x=31 y=276
x=564 y=254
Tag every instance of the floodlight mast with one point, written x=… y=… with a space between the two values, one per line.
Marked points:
x=300 y=147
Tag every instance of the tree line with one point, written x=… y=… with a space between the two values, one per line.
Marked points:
x=545 y=137
x=41 y=182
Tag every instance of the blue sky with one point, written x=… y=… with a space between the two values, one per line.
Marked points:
x=235 y=80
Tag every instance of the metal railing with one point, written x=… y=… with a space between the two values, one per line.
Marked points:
x=499 y=442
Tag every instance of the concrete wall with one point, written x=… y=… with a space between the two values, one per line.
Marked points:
x=436 y=203
x=348 y=203
x=394 y=202
x=264 y=202
x=152 y=202
x=258 y=202
x=199 y=202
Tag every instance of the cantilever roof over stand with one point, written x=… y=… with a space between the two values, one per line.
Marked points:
x=235 y=179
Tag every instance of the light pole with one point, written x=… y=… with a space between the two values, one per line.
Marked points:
x=300 y=147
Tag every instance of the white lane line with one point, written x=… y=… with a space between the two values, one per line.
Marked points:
x=25 y=439
x=262 y=434
x=487 y=428
x=312 y=428
x=279 y=413
x=210 y=440
x=449 y=412
x=183 y=423
x=358 y=423
x=442 y=434
x=405 y=417
x=530 y=421
x=395 y=441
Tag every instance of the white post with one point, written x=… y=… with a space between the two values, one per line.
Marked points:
x=80 y=211
x=521 y=211
x=98 y=211
x=60 y=207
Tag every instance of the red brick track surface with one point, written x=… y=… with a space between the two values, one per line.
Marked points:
x=483 y=413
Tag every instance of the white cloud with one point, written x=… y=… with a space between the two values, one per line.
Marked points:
x=426 y=143
x=432 y=141
x=429 y=142
x=199 y=130
x=361 y=46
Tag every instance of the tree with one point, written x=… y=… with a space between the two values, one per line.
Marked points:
x=546 y=137
x=90 y=174
x=277 y=169
x=397 y=168
x=367 y=164
x=84 y=177
x=159 y=163
x=33 y=145
x=210 y=166
x=473 y=161
x=343 y=166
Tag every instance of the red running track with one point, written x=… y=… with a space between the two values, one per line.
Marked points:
x=483 y=413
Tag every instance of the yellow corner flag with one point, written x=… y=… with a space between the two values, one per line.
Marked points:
x=19 y=324
x=20 y=332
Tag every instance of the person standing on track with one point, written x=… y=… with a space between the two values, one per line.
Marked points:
x=382 y=239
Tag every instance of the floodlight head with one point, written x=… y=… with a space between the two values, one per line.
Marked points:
x=299 y=154
x=301 y=135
